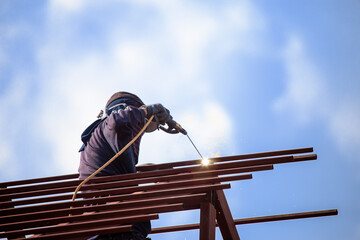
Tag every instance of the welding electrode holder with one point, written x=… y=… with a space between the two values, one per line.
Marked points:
x=173 y=127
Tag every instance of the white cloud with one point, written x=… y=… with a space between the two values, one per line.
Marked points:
x=16 y=111
x=307 y=97
x=304 y=87
x=169 y=66
x=344 y=126
x=9 y=168
x=68 y=6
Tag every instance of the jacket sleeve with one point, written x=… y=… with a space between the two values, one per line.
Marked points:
x=126 y=121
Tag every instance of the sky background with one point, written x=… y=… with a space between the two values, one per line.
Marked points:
x=239 y=76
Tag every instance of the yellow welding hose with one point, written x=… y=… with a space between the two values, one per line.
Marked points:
x=113 y=158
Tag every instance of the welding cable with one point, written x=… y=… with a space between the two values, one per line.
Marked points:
x=113 y=158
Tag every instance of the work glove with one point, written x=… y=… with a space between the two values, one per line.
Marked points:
x=173 y=127
x=161 y=113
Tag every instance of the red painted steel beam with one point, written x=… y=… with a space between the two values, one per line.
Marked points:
x=38 y=180
x=213 y=170
x=77 y=210
x=102 y=211
x=124 y=197
x=224 y=217
x=123 y=190
x=291 y=216
x=180 y=163
x=227 y=158
x=66 y=205
x=109 y=221
x=147 y=168
x=17 y=219
x=82 y=234
x=282 y=217
x=247 y=163
x=207 y=221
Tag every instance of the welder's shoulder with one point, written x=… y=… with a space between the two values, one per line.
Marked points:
x=129 y=116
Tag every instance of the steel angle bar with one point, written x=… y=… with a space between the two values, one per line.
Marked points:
x=4 y=185
x=81 y=234
x=174 y=184
x=164 y=186
x=290 y=216
x=224 y=217
x=141 y=195
x=87 y=224
x=226 y=158
x=212 y=170
x=157 y=166
x=139 y=180
x=38 y=180
x=282 y=217
x=207 y=221
x=17 y=219
x=89 y=202
x=76 y=182
x=185 y=199
x=110 y=189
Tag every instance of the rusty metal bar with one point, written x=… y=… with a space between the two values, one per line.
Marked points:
x=65 y=212
x=121 y=205
x=110 y=220
x=68 y=204
x=158 y=166
x=227 y=158
x=78 y=210
x=142 y=195
x=138 y=175
x=64 y=205
x=174 y=184
x=81 y=234
x=39 y=180
x=213 y=170
x=282 y=217
x=42 y=206
x=224 y=217
x=93 y=180
x=207 y=221
x=248 y=163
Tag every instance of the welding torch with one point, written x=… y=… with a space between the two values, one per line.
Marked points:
x=174 y=127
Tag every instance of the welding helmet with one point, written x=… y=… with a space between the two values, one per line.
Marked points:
x=120 y=100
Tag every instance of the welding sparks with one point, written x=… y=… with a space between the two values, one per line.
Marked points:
x=205 y=162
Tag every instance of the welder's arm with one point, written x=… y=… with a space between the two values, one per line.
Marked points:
x=164 y=117
x=160 y=112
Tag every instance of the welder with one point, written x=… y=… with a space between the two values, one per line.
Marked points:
x=124 y=116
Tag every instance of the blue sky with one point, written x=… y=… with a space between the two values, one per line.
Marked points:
x=240 y=76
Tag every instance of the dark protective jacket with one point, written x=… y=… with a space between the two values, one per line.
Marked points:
x=107 y=139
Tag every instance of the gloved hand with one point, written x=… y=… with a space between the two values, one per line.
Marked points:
x=173 y=127
x=161 y=113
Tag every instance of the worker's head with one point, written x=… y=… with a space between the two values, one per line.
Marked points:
x=120 y=100
x=125 y=97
